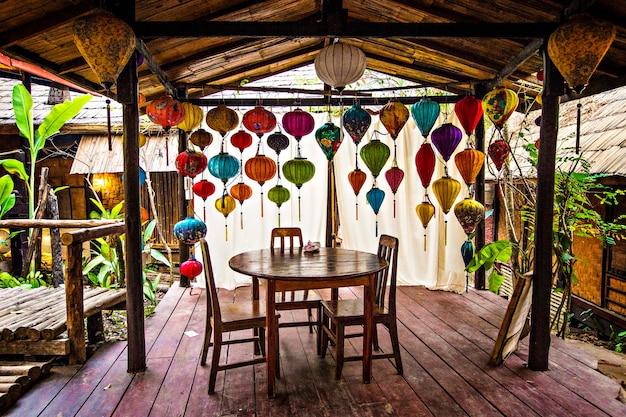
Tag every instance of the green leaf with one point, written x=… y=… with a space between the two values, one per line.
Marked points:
x=15 y=167
x=7 y=205
x=6 y=188
x=100 y=207
x=61 y=188
x=147 y=234
x=57 y=117
x=23 y=110
x=115 y=212
x=495 y=281
x=500 y=250
x=159 y=257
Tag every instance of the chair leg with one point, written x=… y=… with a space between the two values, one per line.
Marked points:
x=310 y=320
x=207 y=342
x=260 y=343
x=375 y=338
x=319 y=330
x=395 y=343
x=217 y=348
x=324 y=336
x=257 y=346
x=339 y=351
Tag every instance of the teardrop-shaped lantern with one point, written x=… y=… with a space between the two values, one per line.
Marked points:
x=191 y=268
x=241 y=192
x=499 y=104
x=144 y=216
x=469 y=110
x=469 y=213
x=259 y=121
x=340 y=64
x=225 y=205
x=278 y=142
x=278 y=195
x=425 y=113
x=260 y=168
x=499 y=151
x=356 y=121
x=467 y=251
x=357 y=179
x=106 y=43
x=393 y=116
x=298 y=171
x=190 y=230
x=190 y=163
x=201 y=138
x=375 y=155
x=165 y=111
x=328 y=137
x=375 y=197
x=469 y=163
x=446 y=190
x=192 y=119
x=222 y=119
x=241 y=140
x=578 y=46
x=394 y=177
x=298 y=123
x=445 y=139
x=224 y=166
x=425 y=211
x=425 y=163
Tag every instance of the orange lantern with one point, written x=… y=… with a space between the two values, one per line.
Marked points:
x=144 y=215
x=222 y=119
x=259 y=121
x=241 y=192
x=357 y=179
x=260 y=168
x=446 y=190
x=393 y=116
x=469 y=162
x=192 y=119
x=166 y=112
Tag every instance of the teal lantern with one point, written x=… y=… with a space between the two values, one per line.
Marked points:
x=375 y=155
x=467 y=253
x=328 y=137
x=298 y=171
x=224 y=166
x=425 y=113
x=375 y=198
x=278 y=195
x=190 y=230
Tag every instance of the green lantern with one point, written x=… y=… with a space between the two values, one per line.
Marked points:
x=375 y=155
x=298 y=171
x=278 y=195
x=329 y=138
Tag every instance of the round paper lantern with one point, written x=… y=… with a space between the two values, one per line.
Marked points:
x=393 y=116
x=278 y=195
x=142 y=140
x=201 y=138
x=425 y=211
x=469 y=213
x=578 y=46
x=166 y=112
x=298 y=123
x=144 y=218
x=222 y=119
x=224 y=166
x=469 y=110
x=241 y=140
x=328 y=137
x=191 y=268
x=260 y=168
x=499 y=104
x=375 y=198
x=142 y=176
x=106 y=43
x=356 y=121
x=298 y=171
x=425 y=163
x=446 y=190
x=259 y=121
x=499 y=151
x=357 y=179
x=340 y=64
x=425 y=113
x=203 y=189
x=445 y=139
x=241 y=192
x=375 y=155
x=190 y=163
x=225 y=205
x=278 y=142
x=192 y=119
x=469 y=162
x=190 y=230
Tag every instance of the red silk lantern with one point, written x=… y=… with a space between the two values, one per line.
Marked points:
x=241 y=140
x=357 y=179
x=425 y=163
x=394 y=177
x=241 y=192
x=203 y=189
x=259 y=121
x=191 y=268
x=298 y=123
x=201 y=138
x=166 y=112
x=260 y=169
x=469 y=110
x=499 y=151
x=190 y=163
x=469 y=162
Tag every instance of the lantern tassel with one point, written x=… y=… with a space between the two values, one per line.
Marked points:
x=376 y=226
x=466 y=282
x=357 y=210
x=279 y=217
x=241 y=219
x=394 y=206
x=261 y=202
x=299 y=212
x=226 y=230
x=109 y=124
x=424 y=240
x=445 y=231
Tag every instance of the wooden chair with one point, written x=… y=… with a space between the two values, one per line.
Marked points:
x=290 y=238
x=228 y=318
x=338 y=314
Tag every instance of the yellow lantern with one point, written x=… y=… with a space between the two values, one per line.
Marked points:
x=425 y=211
x=106 y=43
x=578 y=46
x=193 y=117
x=222 y=119
x=393 y=116
x=446 y=190
x=142 y=140
x=499 y=104
x=225 y=205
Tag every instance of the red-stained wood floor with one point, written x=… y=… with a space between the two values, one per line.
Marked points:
x=446 y=342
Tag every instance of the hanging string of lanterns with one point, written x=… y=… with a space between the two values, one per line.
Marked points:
x=375 y=155
x=241 y=191
x=203 y=189
x=225 y=205
x=393 y=116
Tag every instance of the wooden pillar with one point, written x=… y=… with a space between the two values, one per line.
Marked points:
x=183 y=207
x=542 y=276
x=74 y=298
x=479 y=188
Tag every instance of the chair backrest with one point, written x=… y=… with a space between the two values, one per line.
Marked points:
x=281 y=233
x=213 y=305
x=387 y=249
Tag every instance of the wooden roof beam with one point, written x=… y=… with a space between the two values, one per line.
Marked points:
x=154 y=67
x=317 y=102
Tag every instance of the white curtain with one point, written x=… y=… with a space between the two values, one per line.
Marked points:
x=440 y=266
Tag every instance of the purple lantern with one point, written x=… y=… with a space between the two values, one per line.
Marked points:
x=298 y=123
x=445 y=139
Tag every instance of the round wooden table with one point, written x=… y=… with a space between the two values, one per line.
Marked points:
x=298 y=270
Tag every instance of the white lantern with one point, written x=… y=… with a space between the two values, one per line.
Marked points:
x=340 y=64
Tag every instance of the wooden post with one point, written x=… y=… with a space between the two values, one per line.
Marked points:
x=74 y=298
x=479 y=189
x=55 y=240
x=183 y=249
x=542 y=276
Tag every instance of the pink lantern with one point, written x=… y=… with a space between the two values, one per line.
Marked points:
x=394 y=177
x=298 y=123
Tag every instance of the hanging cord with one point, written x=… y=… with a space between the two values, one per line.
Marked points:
x=579 y=107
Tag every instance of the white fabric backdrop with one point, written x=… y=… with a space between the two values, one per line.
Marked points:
x=440 y=266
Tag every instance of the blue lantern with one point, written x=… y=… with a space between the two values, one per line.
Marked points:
x=425 y=113
x=375 y=198
x=356 y=121
x=190 y=230
x=467 y=252
x=142 y=176
x=224 y=166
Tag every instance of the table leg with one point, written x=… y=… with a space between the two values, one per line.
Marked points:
x=272 y=337
x=368 y=309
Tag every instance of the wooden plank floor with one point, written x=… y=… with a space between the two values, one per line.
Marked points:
x=446 y=342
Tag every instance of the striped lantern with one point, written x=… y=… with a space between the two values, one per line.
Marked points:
x=241 y=192
x=260 y=168
x=192 y=119
x=222 y=119
x=201 y=138
x=357 y=179
x=425 y=113
x=446 y=190
x=340 y=64
x=225 y=205
x=278 y=195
